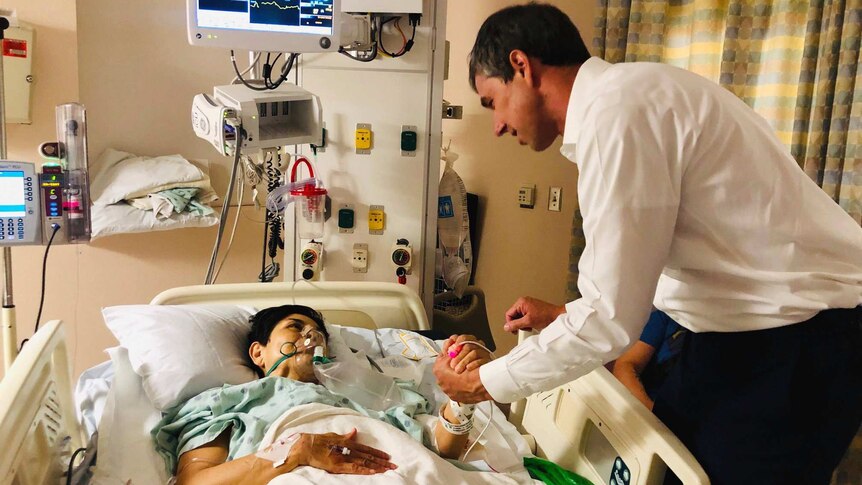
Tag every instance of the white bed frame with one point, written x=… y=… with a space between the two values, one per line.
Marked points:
x=585 y=426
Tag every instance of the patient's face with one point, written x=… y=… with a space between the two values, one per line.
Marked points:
x=292 y=329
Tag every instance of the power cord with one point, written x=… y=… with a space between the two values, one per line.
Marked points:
x=72 y=465
x=227 y=199
x=269 y=84
x=370 y=57
x=272 y=240
x=414 y=20
x=55 y=227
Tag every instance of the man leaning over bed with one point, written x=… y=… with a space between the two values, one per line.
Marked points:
x=689 y=202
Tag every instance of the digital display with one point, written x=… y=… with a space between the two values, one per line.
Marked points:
x=12 y=201
x=294 y=16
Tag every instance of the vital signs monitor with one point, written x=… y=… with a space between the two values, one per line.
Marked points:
x=265 y=25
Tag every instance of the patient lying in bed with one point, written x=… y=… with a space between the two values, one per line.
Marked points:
x=285 y=422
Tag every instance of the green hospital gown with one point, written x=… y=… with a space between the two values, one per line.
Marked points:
x=250 y=408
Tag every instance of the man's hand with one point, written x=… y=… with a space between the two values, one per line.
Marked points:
x=468 y=356
x=531 y=314
x=465 y=388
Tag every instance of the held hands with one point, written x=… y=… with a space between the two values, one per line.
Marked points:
x=463 y=385
x=340 y=453
x=531 y=314
x=466 y=356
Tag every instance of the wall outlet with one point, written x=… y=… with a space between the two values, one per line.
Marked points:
x=555 y=199
x=527 y=196
x=360 y=258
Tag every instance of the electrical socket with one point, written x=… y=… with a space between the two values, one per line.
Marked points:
x=527 y=196
x=555 y=199
x=360 y=258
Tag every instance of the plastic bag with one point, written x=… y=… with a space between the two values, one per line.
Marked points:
x=552 y=474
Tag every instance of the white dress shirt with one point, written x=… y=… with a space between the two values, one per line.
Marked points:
x=692 y=204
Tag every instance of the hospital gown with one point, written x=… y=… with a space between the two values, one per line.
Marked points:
x=250 y=408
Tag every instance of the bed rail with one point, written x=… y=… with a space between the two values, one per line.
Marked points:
x=595 y=427
x=38 y=423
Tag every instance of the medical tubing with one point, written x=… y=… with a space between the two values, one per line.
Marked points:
x=490 y=417
x=241 y=190
x=225 y=206
x=56 y=228
x=491 y=413
x=279 y=198
x=248 y=69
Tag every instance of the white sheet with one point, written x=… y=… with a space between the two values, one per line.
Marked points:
x=121 y=218
x=91 y=392
x=125 y=446
x=126 y=451
x=416 y=464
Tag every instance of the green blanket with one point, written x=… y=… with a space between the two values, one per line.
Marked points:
x=248 y=409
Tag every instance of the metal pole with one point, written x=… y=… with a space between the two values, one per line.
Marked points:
x=10 y=338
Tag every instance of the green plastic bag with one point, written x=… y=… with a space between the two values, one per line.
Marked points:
x=552 y=474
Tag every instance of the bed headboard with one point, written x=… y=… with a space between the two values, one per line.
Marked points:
x=357 y=304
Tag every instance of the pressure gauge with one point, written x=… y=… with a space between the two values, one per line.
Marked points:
x=401 y=257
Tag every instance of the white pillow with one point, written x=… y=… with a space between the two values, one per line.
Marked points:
x=180 y=351
x=123 y=175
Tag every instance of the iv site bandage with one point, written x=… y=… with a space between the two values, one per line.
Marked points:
x=278 y=451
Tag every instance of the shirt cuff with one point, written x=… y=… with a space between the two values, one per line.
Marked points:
x=498 y=382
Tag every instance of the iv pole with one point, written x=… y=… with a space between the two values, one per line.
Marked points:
x=10 y=337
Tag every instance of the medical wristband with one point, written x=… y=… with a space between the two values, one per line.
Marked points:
x=459 y=429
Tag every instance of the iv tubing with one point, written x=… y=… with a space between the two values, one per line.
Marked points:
x=226 y=206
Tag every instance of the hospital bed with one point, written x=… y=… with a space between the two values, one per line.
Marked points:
x=591 y=426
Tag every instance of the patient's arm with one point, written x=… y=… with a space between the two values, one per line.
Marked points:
x=206 y=464
x=629 y=367
x=449 y=445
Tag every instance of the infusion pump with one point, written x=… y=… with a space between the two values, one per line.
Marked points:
x=33 y=204
x=20 y=211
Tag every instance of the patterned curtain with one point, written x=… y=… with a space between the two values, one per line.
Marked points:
x=795 y=62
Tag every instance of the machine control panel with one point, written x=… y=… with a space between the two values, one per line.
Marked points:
x=20 y=222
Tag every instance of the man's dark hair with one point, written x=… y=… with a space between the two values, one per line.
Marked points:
x=265 y=321
x=542 y=31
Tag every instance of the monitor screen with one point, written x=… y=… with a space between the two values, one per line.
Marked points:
x=288 y=16
x=12 y=194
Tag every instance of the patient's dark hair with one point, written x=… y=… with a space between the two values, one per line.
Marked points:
x=265 y=321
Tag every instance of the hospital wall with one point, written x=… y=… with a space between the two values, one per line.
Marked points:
x=137 y=79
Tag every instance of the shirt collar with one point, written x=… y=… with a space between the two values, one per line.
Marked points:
x=585 y=81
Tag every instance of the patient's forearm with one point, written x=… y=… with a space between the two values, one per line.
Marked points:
x=449 y=445
x=628 y=375
x=248 y=470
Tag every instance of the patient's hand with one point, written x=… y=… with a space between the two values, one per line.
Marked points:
x=326 y=452
x=469 y=357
